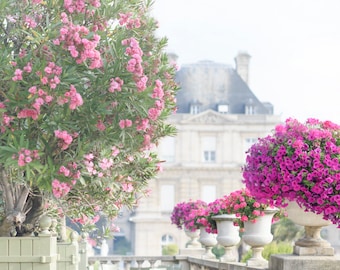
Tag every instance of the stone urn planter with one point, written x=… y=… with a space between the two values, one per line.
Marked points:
x=193 y=242
x=208 y=240
x=257 y=235
x=227 y=236
x=311 y=243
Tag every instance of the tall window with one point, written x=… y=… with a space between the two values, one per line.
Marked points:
x=167 y=149
x=167 y=198
x=209 y=149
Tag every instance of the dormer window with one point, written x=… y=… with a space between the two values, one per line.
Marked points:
x=223 y=108
x=195 y=107
x=249 y=107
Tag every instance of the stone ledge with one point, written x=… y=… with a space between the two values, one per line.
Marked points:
x=294 y=262
x=310 y=251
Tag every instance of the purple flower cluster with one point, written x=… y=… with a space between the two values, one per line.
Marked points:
x=184 y=214
x=298 y=162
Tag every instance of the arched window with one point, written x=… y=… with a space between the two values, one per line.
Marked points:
x=167 y=239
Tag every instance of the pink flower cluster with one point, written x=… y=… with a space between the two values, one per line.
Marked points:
x=70 y=171
x=74 y=39
x=100 y=125
x=41 y=99
x=84 y=219
x=26 y=156
x=72 y=97
x=17 y=75
x=134 y=65
x=130 y=23
x=241 y=203
x=181 y=216
x=26 y=113
x=143 y=124
x=19 y=72
x=6 y=119
x=65 y=138
x=79 y=6
x=116 y=85
x=124 y=123
x=299 y=162
x=193 y=215
x=158 y=94
x=30 y=22
x=100 y=167
x=60 y=189
x=158 y=91
x=127 y=187
x=51 y=75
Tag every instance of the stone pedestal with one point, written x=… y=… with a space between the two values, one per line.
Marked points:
x=295 y=262
x=311 y=243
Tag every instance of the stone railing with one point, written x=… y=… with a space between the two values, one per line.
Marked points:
x=140 y=262
x=178 y=262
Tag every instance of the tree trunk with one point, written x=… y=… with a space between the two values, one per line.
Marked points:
x=22 y=206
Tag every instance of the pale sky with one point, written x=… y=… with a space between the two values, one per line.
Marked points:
x=294 y=45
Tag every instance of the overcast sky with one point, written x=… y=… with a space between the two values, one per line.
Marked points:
x=294 y=47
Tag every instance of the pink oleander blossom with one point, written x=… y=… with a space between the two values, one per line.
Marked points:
x=127 y=187
x=17 y=75
x=154 y=113
x=65 y=138
x=28 y=113
x=298 y=162
x=125 y=123
x=26 y=156
x=60 y=189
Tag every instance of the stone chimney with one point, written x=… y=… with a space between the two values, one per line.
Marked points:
x=242 y=65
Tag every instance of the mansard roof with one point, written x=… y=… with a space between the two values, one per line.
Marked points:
x=209 y=84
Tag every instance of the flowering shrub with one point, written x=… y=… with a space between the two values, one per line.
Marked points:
x=188 y=215
x=85 y=92
x=298 y=162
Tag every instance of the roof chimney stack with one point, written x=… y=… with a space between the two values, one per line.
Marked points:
x=242 y=65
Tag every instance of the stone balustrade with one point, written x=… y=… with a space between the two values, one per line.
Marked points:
x=177 y=262
x=277 y=262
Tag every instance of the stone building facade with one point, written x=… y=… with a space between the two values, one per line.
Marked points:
x=218 y=119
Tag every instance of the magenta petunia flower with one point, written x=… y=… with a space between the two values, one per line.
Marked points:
x=298 y=162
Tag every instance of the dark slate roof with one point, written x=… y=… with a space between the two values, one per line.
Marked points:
x=211 y=84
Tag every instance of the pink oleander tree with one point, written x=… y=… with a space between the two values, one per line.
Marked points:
x=84 y=96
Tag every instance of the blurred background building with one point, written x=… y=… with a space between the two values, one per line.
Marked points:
x=218 y=118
